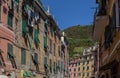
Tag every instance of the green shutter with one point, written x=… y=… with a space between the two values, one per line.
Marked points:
x=36 y=57
x=24 y=27
x=45 y=42
x=36 y=38
x=50 y=45
x=10 y=49
x=23 y=56
x=10 y=16
x=45 y=61
x=50 y=65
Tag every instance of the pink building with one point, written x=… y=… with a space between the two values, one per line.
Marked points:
x=74 y=67
x=6 y=38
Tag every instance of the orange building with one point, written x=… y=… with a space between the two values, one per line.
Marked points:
x=7 y=62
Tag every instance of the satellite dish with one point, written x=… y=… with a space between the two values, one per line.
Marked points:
x=3 y=76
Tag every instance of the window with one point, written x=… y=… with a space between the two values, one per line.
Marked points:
x=83 y=62
x=88 y=62
x=23 y=56
x=83 y=68
x=79 y=63
x=74 y=74
x=78 y=74
x=50 y=65
x=54 y=67
x=87 y=74
x=87 y=67
x=59 y=50
x=10 y=50
x=72 y=65
x=45 y=62
x=36 y=58
x=36 y=38
x=54 y=49
x=10 y=19
x=24 y=27
x=79 y=69
x=45 y=42
x=50 y=45
x=83 y=74
x=74 y=69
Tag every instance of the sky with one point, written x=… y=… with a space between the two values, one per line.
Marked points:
x=69 y=13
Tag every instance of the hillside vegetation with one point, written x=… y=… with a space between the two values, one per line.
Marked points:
x=79 y=37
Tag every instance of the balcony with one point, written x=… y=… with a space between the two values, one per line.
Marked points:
x=100 y=22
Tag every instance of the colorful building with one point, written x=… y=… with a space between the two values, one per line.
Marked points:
x=107 y=33
x=30 y=41
x=82 y=67
x=7 y=36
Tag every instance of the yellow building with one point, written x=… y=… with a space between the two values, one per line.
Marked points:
x=82 y=67
x=107 y=32
x=86 y=64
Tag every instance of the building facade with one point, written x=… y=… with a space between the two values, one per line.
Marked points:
x=6 y=38
x=30 y=41
x=82 y=67
x=107 y=32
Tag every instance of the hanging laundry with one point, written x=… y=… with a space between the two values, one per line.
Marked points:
x=10 y=4
x=29 y=13
x=15 y=5
x=32 y=14
x=13 y=75
x=21 y=73
x=32 y=23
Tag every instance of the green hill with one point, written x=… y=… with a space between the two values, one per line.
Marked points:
x=79 y=36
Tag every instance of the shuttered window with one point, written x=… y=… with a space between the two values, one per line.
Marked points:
x=50 y=65
x=36 y=58
x=10 y=18
x=45 y=42
x=10 y=50
x=23 y=56
x=24 y=26
x=50 y=46
x=45 y=61
x=36 y=38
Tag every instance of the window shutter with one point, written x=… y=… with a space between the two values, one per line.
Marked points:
x=10 y=20
x=45 y=42
x=45 y=61
x=10 y=49
x=36 y=38
x=36 y=58
x=50 y=65
x=24 y=26
x=23 y=56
